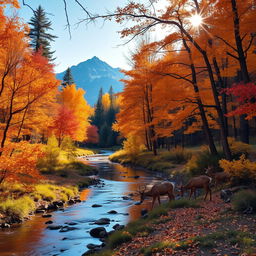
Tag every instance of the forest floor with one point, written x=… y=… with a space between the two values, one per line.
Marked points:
x=211 y=229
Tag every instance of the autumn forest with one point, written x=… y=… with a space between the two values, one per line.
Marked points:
x=182 y=127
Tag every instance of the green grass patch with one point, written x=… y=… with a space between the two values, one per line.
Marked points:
x=245 y=240
x=183 y=203
x=156 y=247
x=118 y=238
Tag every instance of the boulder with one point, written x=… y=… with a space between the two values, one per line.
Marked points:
x=53 y=207
x=54 y=227
x=102 y=221
x=5 y=225
x=40 y=211
x=71 y=223
x=143 y=212
x=96 y=205
x=112 y=212
x=46 y=215
x=126 y=198
x=225 y=195
x=118 y=227
x=58 y=203
x=93 y=246
x=67 y=228
x=71 y=201
x=98 y=232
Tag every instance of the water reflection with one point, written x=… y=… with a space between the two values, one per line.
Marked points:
x=32 y=237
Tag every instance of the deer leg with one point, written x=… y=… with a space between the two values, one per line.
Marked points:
x=159 y=200
x=154 y=199
x=171 y=196
x=206 y=192
x=194 y=193
x=191 y=191
x=210 y=194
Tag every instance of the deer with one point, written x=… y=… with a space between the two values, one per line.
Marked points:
x=202 y=181
x=218 y=177
x=159 y=189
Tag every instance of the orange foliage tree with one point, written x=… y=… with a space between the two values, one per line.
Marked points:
x=73 y=99
x=27 y=85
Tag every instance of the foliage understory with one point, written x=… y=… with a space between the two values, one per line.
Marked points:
x=19 y=201
x=61 y=182
x=165 y=161
x=187 y=228
x=190 y=161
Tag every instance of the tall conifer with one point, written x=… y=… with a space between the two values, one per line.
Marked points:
x=40 y=38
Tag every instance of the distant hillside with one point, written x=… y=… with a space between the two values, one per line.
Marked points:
x=93 y=74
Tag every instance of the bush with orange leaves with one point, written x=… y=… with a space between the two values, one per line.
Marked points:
x=242 y=171
x=18 y=162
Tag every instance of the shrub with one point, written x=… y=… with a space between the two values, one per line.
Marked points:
x=242 y=171
x=239 y=148
x=69 y=147
x=46 y=191
x=18 y=208
x=178 y=155
x=244 y=199
x=133 y=146
x=118 y=238
x=51 y=158
x=201 y=160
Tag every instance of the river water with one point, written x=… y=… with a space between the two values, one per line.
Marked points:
x=32 y=238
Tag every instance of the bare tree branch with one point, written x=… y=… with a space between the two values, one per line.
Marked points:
x=67 y=19
x=25 y=4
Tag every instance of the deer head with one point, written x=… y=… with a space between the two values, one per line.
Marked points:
x=141 y=192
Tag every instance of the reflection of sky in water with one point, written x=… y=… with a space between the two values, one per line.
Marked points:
x=32 y=238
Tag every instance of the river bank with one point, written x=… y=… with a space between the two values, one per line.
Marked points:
x=55 y=191
x=201 y=228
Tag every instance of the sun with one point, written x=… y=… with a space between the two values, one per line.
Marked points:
x=196 y=20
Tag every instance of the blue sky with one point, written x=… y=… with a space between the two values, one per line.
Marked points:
x=101 y=40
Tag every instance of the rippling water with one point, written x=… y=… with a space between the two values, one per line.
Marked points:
x=32 y=238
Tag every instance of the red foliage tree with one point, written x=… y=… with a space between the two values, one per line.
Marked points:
x=65 y=124
x=245 y=95
x=92 y=135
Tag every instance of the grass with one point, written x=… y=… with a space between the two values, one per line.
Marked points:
x=118 y=238
x=165 y=161
x=245 y=240
x=154 y=248
x=17 y=208
x=50 y=192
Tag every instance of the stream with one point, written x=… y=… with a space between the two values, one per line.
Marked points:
x=32 y=238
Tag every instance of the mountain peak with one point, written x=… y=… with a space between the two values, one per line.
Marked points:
x=93 y=74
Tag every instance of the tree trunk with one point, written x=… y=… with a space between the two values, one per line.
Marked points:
x=244 y=124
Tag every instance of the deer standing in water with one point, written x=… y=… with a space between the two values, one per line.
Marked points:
x=159 y=189
x=202 y=181
x=218 y=177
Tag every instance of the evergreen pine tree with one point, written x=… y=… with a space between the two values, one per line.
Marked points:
x=98 y=118
x=40 y=38
x=68 y=78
